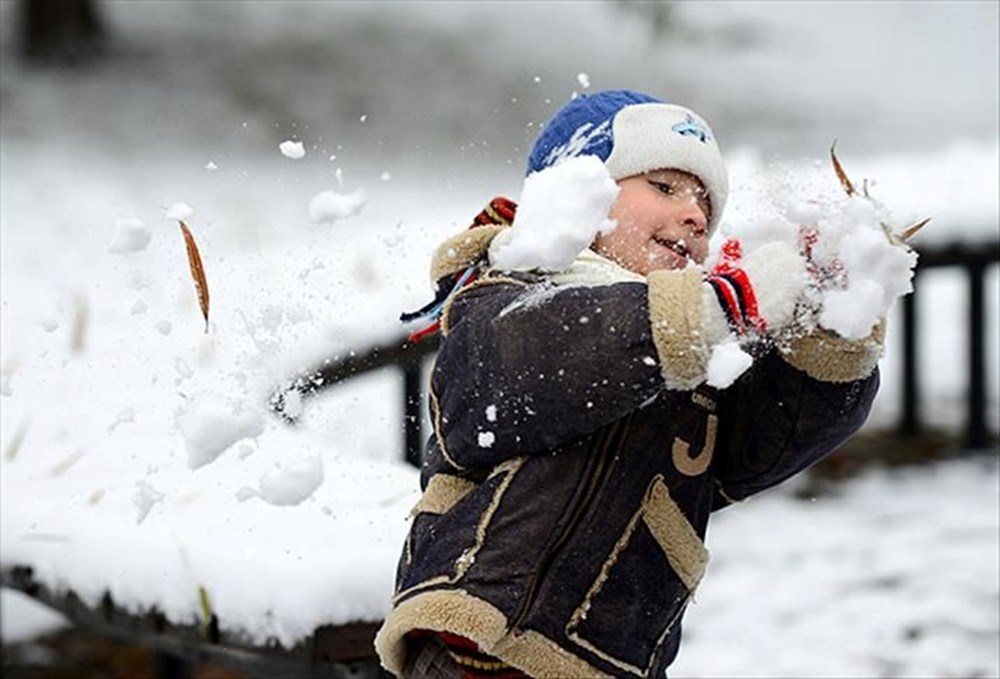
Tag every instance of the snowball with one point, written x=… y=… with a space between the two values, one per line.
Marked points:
x=486 y=439
x=858 y=270
x=210 y=425
x=293 y=483
x=329 y=206
x=179 y=211
x=562 y=209
x=130 y=235
x=728 y=361
x=853 y=312
x=292 y=149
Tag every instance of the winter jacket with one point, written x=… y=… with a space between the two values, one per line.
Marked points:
x=569 y=481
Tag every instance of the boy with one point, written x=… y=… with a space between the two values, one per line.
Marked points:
x=578 y=450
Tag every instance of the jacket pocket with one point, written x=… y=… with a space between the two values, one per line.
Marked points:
x=643 y=586
x=449 y=527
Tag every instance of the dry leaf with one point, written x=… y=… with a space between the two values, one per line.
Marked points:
x=197 y=271
x=905 y=234
x=911 y=231
x=841 y=175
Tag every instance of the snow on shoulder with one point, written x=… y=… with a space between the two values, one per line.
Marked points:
x=562 y=209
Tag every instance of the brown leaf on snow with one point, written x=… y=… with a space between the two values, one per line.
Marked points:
x=197 y=270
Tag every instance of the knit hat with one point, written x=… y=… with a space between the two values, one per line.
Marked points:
x=634 y=133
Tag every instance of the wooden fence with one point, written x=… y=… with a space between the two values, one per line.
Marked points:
x=972 y=260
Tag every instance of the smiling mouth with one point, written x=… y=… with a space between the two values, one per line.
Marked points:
x=675 y=246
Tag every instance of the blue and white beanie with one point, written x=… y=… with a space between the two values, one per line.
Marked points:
x=634 y=133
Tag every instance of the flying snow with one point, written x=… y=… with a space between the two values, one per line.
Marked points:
x=131 y=235
x=293 y=483
x=861 y=269
x=562 y=209
x=179 y=211
x=292 y=149
x=210 y=425
x=329 y=206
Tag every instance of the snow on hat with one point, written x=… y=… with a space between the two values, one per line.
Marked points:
x=634 y=133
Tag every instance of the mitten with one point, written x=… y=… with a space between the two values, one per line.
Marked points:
x=759 y=292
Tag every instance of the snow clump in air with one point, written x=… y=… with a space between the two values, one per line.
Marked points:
x=329 y=206
x=179 y=211
x=210 y=425
x=130 y=235
x=562 y=209
x=292 y=483
x=292 y=149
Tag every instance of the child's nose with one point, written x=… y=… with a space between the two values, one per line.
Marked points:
x=693 y=216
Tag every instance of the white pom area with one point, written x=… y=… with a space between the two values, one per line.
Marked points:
x=562 y=209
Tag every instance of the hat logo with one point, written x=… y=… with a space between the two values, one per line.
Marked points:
x=691 y=128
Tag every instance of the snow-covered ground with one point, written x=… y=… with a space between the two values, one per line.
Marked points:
x=128 y=430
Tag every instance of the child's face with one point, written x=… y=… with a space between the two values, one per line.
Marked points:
x=662 y=222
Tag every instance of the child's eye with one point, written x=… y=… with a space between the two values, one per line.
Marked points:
x=663 y=187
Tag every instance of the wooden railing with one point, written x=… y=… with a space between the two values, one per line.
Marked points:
x=972 y=260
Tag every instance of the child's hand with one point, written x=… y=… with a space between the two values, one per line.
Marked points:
x=760 y=292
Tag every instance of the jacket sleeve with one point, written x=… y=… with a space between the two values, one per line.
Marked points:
x=793 y=408
x=526 y=367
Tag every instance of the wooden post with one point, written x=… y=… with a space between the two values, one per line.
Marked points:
x=412 y=401
x=909 y=424
x=976 y=424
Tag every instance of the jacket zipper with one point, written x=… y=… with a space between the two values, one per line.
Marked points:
x=594 y=478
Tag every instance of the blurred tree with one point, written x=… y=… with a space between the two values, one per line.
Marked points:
x=61 y=31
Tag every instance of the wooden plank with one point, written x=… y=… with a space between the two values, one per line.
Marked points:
x=334 y=651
